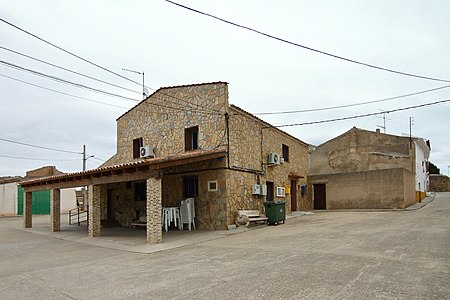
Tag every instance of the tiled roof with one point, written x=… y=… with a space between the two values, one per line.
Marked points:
x=10 y=179
x=145 y=162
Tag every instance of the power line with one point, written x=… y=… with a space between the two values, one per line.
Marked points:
x=351 y=105
x=306 y=47
x=68 y=52
x=59 y=92
x=40 y=147
x=97 y=65
x=362 y=116
x=39 y=159
x=61 y=80
x=68 y=70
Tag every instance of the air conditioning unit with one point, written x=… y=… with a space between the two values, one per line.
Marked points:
x=147 y=151
x=256 y=190
x=263 y=190
x=281 y=191
x=274 y=158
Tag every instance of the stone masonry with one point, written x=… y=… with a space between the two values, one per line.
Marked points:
x=55 y=210
x=94 y=198
x=154 y=211
x=27 y=209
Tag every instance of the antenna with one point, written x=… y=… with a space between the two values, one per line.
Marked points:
x=144 y=90
x=384 y=120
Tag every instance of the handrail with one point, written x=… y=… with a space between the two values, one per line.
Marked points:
x=78 y=212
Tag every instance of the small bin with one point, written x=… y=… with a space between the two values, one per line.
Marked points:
x=275 y=212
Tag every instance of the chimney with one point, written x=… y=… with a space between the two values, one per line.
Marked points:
x=378 y=130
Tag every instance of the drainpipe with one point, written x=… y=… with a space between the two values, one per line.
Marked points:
x=227 y=124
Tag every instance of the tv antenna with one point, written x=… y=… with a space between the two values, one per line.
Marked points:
x=145 y=93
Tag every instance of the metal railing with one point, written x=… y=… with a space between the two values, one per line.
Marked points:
x=78 y=215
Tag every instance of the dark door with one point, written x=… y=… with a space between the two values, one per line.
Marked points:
x=293 y=195
x=320 y=196
x=109 y=208
x=270 y=191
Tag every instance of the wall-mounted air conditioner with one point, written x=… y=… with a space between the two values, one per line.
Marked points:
x=281 y=191
x=256 y=189
x=263 y=190
x=274 y=158
x=147 y=151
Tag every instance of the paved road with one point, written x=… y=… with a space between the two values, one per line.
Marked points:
x=329 y=255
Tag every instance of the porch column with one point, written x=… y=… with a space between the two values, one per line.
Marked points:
x=55 y=210
x=94 y=227
x=27 y=209
x=154 y=211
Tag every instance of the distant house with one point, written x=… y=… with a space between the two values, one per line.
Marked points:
x=8 y=195
x=366 y=169
x=189 y=142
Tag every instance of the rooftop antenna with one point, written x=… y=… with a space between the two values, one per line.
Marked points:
x=384 y=120
x=145 y=92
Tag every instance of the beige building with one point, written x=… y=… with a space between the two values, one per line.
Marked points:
x=366 y=169
x=188 y=141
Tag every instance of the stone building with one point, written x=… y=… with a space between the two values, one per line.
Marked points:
x=188 y=141
x=366 y=169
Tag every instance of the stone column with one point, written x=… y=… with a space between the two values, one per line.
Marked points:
x=94 y=211
x=27 y=209
x=55 y=210
x=154 y=210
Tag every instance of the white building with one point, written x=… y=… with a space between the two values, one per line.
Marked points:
x=8 y=195
x=423 y=149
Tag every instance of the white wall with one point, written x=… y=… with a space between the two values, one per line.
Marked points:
x=68 y=200
x=8 y=199
x=421 y=168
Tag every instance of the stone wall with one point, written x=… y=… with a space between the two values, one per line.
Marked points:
x=439 y=183
x=362 y=150
x=251 y=141
x=393 y=188
x=162 y=118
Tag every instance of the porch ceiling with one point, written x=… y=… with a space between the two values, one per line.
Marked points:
x=138 y=170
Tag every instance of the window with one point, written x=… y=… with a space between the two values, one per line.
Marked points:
x=191 y=138
x=212 y=186
x=190 y=186
x=140 y=191
x=270 y=191
x=285 y=153
x=137 y=144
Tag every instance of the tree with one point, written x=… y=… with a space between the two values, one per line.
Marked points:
x=434 y=169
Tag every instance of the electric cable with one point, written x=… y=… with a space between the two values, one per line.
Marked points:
x=363 y=115
x=351 y=105
x=306 y=47
x=68 y=70
x=40 y=147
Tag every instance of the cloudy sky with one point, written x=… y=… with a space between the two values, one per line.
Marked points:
x=175 y=46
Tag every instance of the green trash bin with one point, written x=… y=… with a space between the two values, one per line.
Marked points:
x=275 y=212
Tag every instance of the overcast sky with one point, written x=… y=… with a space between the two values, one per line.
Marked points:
x=175 y=46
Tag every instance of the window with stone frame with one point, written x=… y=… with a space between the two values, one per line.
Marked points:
x=285 y=152
x=191 y=138
x=137 y=144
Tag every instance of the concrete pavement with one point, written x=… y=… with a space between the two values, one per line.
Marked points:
x=329 y=255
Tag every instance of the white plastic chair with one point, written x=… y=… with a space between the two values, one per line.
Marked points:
x=187 y=210
x=171 y=214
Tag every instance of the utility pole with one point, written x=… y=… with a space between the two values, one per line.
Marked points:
x=84 y=158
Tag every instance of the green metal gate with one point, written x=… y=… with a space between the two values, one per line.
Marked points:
x=40 y=200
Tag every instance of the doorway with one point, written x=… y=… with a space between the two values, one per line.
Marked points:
x=294 y=195
x=320 y=196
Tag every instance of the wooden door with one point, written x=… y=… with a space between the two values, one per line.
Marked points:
x=294 y=195
x=320 y=196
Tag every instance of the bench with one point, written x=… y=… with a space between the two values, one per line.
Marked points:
x=142 y=222
x=251 y=216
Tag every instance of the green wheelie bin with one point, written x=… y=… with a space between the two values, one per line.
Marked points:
x=275 y=212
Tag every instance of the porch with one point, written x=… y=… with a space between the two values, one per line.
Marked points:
x=149 y=172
